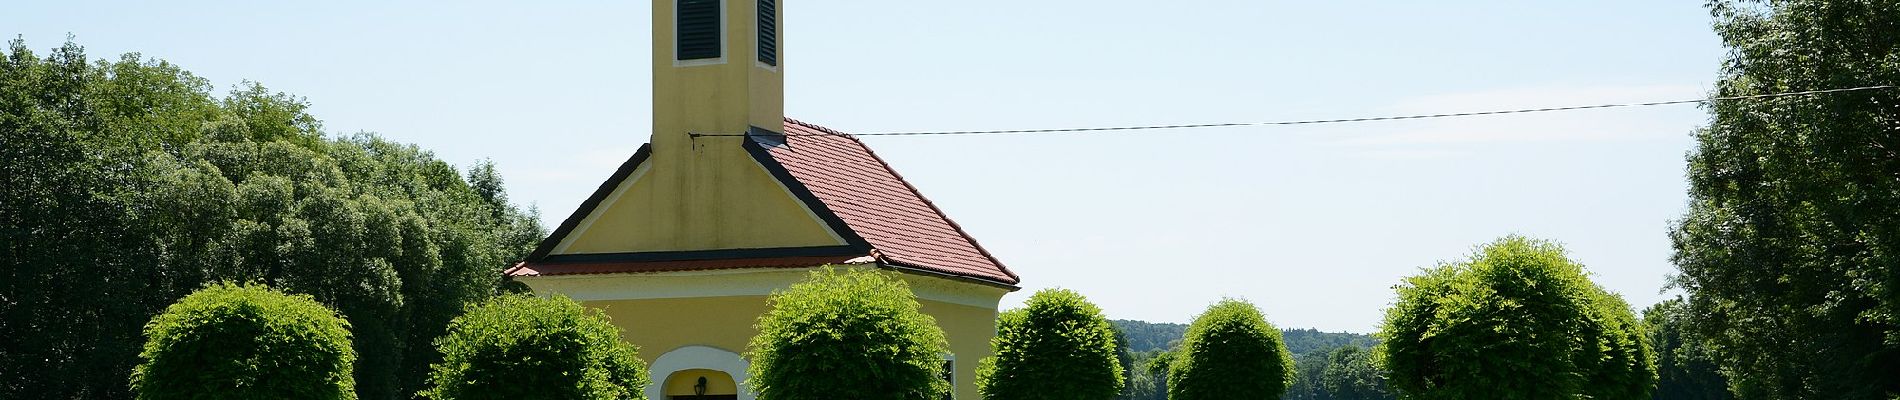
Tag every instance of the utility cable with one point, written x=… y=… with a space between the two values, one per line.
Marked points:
x=1343 y=120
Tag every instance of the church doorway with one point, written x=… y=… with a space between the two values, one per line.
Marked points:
x=701 y=384
x=698 y=372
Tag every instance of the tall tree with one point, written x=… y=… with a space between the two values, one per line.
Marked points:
x=1790 y=250
x=128 y=185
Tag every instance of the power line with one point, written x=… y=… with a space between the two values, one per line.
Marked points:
x=1343 y=120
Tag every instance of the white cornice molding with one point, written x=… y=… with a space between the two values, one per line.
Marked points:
x=740 y=282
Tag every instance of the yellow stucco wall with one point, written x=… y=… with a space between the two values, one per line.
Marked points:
x=705 y=193
x=716 y=95
x=728 y=201
x=661 y=325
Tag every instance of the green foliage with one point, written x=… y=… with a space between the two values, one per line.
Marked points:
x=1790 y=250
x=245 y=342
x=1685 y=368
x=1150 y=343
x=1309 y=340
x=1149 y=336
x=1160 y=366
x=1058 y=346
x=1231 y=352
x=1148 y=375
x=518 y=347
x=1307 y=369
x=1126 y=359
x=1351 y=373
x=1518 y=320
x=847 y=334
x=1339 y=372
x=137 y=186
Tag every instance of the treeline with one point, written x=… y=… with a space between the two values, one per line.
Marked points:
x=128 y=184
x=1143 y=336
x=1345 y=357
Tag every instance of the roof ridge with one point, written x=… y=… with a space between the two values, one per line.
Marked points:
x=821 y=128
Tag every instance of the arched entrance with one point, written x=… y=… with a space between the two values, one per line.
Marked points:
x=700 y=384
x=677 y=375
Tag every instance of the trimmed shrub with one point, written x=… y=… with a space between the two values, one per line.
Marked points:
x=1518 y=320
x=519 y=347
x=1058 y=346
x=228 y=341
x=847 y=334
x=1231 y=352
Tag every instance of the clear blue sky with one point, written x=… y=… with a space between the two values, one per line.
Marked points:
x=1313 y=223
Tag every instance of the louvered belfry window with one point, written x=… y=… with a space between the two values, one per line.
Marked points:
x=768 y=32
x=697 y=28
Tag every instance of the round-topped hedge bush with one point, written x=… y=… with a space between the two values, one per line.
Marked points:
x=230 y=341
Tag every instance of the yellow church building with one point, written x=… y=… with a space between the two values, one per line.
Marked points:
x=730 y=201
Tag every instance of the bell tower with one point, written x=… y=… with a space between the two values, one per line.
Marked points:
x=716 y=69
x=701 y=183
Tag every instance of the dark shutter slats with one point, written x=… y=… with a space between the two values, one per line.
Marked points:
x=768 y=32
x=697 y=29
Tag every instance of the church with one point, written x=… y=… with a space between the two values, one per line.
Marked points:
x=730 y=200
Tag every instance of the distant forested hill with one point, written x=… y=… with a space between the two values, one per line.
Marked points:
x=1148 y=336
x=1313 y=353
x=1302 y=341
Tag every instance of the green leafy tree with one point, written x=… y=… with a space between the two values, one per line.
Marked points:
x=1308 y=340
x=1790 y=249
x=1159 y=368
x=1147 y=336
x=136 y=186
x=1518 y=320
x=1058 y=346
x=1149 y=378
x=1124 y=357
x=847 y=334
x=246 y=342
x=74 y=300
x=1307 y=369
x=1351 y=373
x=1231 y=352
x=1685 y=368
x=518 y=347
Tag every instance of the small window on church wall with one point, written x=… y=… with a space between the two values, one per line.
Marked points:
x=950 y=376
x=696 y=28
x=768 y=32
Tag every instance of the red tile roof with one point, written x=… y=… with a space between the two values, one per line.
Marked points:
x=855 y=191
x=900 y=224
